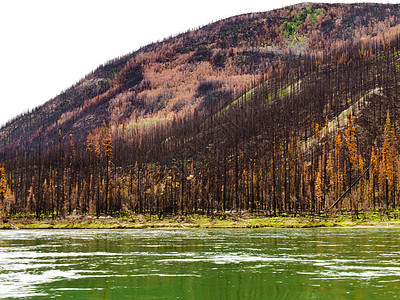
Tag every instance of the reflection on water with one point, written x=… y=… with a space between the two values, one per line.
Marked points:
x=201 y=264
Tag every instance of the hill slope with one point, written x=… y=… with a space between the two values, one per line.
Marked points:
x=313 y=132
x=196 y=70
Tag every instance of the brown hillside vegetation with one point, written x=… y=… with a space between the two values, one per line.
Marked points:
x=288 y=132
x=206 y=67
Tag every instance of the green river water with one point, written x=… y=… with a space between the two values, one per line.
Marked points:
x=358 y=263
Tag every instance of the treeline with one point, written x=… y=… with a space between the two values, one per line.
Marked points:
x=309 y=135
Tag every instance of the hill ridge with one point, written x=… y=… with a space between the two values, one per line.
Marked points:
x=220 y=60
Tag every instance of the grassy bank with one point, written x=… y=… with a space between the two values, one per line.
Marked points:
x=199 y=221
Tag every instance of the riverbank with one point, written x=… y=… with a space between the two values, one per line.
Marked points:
x=370 y=219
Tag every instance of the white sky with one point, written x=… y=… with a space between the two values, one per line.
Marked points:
x=46 y=45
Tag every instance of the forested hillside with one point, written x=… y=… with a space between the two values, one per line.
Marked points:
x=292 y=111
x=195 y=70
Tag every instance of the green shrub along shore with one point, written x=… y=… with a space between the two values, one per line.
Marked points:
x=244 y=220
